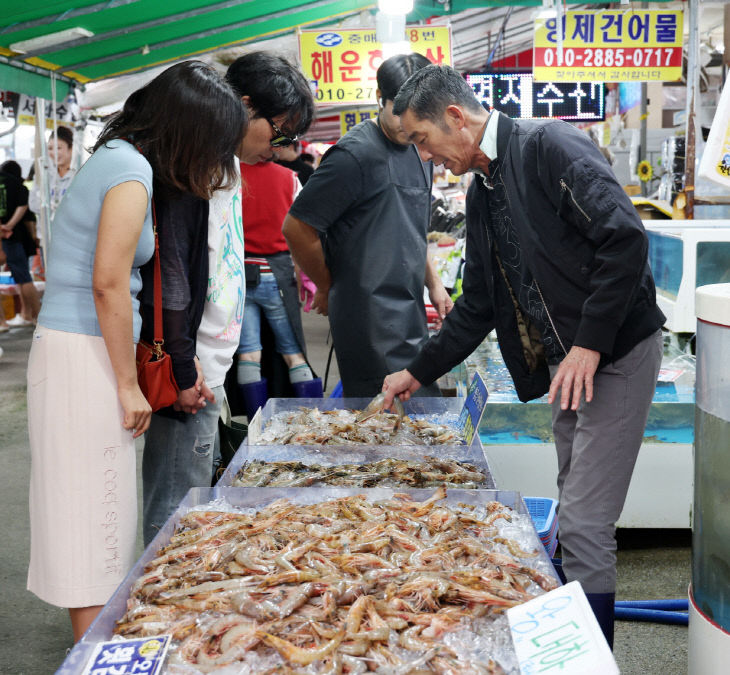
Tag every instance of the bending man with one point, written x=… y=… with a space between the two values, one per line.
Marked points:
x=556 y=261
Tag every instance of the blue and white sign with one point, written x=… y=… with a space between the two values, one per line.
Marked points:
x=328 y=39
x=471 y=413
x=141 y=656
x=558 y=633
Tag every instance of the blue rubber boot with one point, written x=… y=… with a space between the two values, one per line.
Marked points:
x=308 y=388
x=254 y=395
x=602 y=605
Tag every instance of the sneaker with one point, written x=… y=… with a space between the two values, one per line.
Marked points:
x=1 y=352
x=4 y=329
x=19 y=322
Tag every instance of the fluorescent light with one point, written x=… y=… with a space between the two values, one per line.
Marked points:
x=395 y=48
x=50 y=40
x=395 y=6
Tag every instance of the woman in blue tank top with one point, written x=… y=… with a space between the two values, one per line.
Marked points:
x=85 y=407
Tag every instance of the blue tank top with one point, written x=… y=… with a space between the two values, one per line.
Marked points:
x=68 y=302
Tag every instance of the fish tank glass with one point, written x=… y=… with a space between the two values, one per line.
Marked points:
x=711 y=515
x=665 y=260
x=713 y=262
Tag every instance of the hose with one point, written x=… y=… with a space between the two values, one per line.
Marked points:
x=656 y=616
x=678 y=604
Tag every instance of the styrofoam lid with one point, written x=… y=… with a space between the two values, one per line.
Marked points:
x=712 y=303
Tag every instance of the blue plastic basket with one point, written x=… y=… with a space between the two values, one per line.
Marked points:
x=543 y=512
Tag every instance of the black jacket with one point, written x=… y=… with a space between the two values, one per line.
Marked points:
x=583 y=243
x=182 y=225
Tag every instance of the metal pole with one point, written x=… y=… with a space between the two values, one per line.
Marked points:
x=643 y=150
x=693 y=90
x=41 y=176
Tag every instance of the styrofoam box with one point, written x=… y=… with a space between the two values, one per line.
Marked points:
x=102 y=628
x=441 y=410
x=332 y=455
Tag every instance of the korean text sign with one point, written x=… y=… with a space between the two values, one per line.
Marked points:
x=67 y=111
x=609 y=46
x=558 y=633
x=351 y=118
x=342 y=64
x=474 y=406
x=140 y=656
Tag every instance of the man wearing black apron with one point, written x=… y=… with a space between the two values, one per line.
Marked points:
x=358 y=230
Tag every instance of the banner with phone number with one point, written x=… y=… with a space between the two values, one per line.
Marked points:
x=610 y=46
x=342 y=64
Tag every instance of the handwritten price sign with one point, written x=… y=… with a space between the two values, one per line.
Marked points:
x=558 y=633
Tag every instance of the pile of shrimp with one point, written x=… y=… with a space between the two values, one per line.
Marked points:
x=311 y=426
x=342 y=586
x=426 y=472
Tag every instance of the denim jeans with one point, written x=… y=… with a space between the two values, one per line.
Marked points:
x=177 y=455
x=265 y=297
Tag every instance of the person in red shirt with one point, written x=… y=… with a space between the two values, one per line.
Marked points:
x=268 y=192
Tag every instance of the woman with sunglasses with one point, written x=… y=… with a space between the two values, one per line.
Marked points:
x=85 y=407
x=179 y=450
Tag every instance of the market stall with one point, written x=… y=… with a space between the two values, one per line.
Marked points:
x=375 y=574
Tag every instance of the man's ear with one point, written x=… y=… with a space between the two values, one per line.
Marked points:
x=454 y=117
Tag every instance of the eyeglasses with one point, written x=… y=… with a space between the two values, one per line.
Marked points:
x=280 y=139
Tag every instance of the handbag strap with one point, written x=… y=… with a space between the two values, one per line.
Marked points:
x=157 y=289
x=158 y=340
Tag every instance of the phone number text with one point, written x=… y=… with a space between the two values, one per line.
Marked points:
x=608 y=57
x=343 y=94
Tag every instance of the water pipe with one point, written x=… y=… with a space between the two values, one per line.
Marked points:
x=654 y=615
x=678 y=604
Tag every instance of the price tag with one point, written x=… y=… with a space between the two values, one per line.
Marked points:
x=669 y=374
x=471 y=413
x=129 y=657
x=558 y=633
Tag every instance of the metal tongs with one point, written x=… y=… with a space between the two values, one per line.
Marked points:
x=377 y=405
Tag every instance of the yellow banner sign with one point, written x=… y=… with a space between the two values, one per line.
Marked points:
x=342 y=64
x=350 y=118
x=609 y=46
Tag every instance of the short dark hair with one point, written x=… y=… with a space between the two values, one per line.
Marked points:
x=275 y=87
x=12 y=168
x=188 y=123
x=393 y=72
x=429 y=91
x=63 y=134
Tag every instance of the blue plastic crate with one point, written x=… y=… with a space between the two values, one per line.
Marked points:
x=543 y=512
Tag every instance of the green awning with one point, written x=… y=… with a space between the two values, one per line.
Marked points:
x=132 y=35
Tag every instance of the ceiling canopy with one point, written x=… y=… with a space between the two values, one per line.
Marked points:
x=53 y=44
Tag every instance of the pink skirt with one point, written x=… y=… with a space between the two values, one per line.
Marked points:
x=83 y=487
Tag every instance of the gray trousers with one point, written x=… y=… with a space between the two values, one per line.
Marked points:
x=597 y=448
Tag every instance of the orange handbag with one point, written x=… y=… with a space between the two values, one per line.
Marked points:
x=154 y=365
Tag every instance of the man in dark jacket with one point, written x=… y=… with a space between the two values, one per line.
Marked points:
x=556 y=261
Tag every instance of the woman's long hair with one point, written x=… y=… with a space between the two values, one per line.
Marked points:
x=188 y=123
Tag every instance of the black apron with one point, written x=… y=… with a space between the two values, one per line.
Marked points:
x=376 y=308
